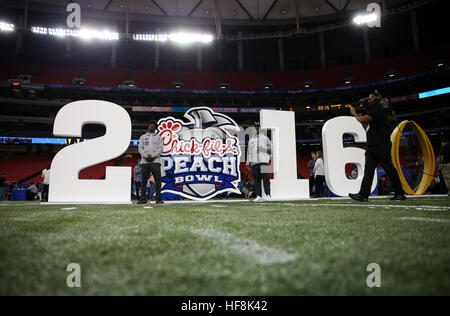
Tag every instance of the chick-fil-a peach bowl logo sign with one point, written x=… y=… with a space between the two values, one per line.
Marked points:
x=200 y=158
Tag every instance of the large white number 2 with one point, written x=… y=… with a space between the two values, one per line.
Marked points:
x=65 y=185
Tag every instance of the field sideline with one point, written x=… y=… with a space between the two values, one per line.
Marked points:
x=292 y=248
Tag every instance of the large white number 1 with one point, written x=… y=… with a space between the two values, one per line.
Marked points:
x=285 y=184
x=65 y=186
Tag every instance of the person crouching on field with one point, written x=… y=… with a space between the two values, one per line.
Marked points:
x=150 y=148
x=258 y=158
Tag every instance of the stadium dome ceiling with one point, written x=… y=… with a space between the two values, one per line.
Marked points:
x=231 y=11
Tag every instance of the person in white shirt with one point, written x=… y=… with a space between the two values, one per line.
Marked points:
x=258 y=158
x=46 y=177
x=354 y=172
x=32 y=192
x=150 y=148
x=311 y=164
x=319 y=175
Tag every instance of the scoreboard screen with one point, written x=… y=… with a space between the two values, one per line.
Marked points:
x=332 y=107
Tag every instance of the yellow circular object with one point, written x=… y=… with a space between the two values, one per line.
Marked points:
x=428 y=157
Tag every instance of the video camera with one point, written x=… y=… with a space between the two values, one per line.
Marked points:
x=362 y=105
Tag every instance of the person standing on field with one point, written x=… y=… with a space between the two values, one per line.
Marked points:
x=319 y=175
x=258 y=159
x=379 y=148
x=311 y=164
x=150 y=148
x=46 y=177
x=137 y=180
x=444 y=161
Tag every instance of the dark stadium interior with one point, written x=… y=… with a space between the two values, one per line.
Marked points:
x=149 y=150
x=313 y=74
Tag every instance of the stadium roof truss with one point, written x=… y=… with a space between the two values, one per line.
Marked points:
x=309 y=16
x=231 y=11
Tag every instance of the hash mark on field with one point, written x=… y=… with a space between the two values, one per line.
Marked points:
x=423 y=219
x=278 y=204
x=68 y=209
x=219 y=206
x=246 y=248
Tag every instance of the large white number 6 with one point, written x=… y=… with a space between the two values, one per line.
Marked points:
x=65 y=186
x=285 y=184
x=336 y=156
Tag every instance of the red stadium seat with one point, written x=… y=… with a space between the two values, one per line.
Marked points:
x=302 y=166
x=11 y=71
x=200 y=80
x=107 y=77
x=155 y=79
x=327 y=78
x=18 y=168
x=369 y=72
x=364 y=73
x=52 y=75
x=244 y=80
x=289 y=80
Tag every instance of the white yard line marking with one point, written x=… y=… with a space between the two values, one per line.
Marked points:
x=119 y=228
x=423 y=219
x=385 y=206
x=246 y=248
x=219 y=206
x=13 y=204
x=380 y=197
x=206 y=202
x=148 y=207
x=87 y=203
x=326 y=202
x=68 y=209
x=363 y=205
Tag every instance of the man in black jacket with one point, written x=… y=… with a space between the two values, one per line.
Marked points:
x=444 y=161
x=3 y=180
x=379 y=148
x=3 y=188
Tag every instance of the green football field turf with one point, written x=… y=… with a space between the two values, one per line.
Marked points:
x=296 y=248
